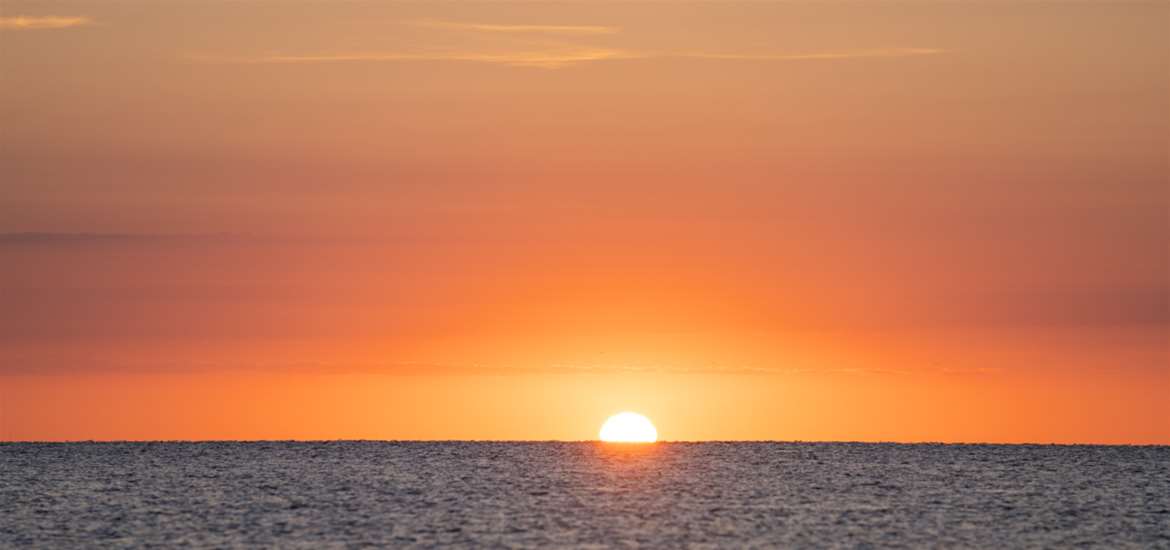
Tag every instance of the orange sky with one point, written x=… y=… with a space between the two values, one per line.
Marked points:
x=794 y=220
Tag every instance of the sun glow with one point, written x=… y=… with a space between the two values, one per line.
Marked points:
x=628 y=427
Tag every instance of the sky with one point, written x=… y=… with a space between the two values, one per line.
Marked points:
x=878 y=221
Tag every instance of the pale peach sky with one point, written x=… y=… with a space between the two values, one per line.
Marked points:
x=764 y=220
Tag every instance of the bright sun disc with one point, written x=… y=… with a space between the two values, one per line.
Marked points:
x=628 y=427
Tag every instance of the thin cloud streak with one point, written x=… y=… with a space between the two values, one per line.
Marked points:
x=571 y=30
x=546 y=60
x=559 y=59
x=22 y=22
x=853 y=54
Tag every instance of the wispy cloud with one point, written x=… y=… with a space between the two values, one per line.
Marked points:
x=34 y=238
x=845 y=54
x=23 y=22
x=543 y=59
x=546 y=56
x=555 y=59
x=571 y=30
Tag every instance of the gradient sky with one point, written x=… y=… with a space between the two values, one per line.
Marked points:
x=908 y=221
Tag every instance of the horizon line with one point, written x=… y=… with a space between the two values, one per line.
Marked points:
x=584 y=441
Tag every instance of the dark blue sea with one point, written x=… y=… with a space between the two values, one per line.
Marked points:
x=667 y=495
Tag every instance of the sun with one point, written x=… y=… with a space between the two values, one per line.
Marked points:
x=628 y=427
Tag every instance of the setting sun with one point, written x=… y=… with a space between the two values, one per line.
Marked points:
x=628 y=427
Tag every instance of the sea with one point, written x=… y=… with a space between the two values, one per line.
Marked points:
x=582 y=495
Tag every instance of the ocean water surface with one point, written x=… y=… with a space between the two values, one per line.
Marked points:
x=731 y=495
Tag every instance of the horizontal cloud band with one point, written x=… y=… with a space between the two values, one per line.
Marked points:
x=22 y=22
x=558 y=59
